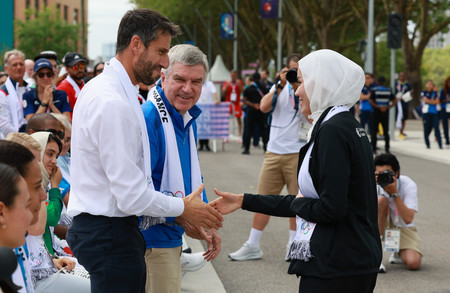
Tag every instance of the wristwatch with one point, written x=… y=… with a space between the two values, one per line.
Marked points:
x=280 y=86
x=44 y=104
x=395 y=195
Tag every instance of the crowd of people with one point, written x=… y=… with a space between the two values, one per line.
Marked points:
x=100 y=181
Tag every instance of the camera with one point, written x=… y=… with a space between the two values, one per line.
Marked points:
x=385 y=178
x=291 y=75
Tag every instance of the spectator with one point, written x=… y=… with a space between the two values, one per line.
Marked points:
x=3 y=77
x=51 y=147
x=366 y=109
x=445 y=109
x=45 y=122
x=208 y=96
x=265 y=79
x=98 y=68
x=252 y=98
x=44 y=97
x=75 y=66
x=16 y=153
x=401 y=88
x=232 y=91
x=381 y=99
x=15 y=215
x=53 y=58
x=397 y=205
x=430 y=115
x=29 y=65
x=11 y=106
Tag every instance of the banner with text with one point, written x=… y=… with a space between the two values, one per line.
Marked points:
x=214 y=122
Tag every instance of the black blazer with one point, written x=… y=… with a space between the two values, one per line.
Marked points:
x=346 y=239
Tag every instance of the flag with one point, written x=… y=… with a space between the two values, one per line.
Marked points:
x=226 y=26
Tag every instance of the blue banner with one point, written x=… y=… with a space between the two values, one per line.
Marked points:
x=268 y=8
x=214 y=122
x=226 y=26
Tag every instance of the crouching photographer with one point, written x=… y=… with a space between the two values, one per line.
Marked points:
x=397 y=205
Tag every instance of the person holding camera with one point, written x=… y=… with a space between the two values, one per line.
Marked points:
x=281 y=158
x=397 y=205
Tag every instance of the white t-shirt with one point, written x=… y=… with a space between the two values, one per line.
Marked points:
x=407 y=189
x=284 y=129
x=208 y=91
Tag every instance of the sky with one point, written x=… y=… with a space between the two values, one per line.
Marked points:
x=103 y=18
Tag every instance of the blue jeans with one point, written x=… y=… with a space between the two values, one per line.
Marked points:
x=431 y=121
x=112 y=251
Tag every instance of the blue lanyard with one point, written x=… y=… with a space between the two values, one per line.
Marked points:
x=22 y=266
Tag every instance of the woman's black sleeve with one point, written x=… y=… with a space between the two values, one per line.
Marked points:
x=272 y=205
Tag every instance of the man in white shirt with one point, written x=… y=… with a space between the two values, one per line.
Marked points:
x=397 y=205
x=111 y=173
x=281 y=159
x=11 y=107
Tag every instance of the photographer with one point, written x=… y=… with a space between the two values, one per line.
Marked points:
x=397 y=197
x=281 y=158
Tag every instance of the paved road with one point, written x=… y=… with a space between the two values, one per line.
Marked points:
x=229 y=170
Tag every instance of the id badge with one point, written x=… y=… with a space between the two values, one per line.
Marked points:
x=233 y=97
x=392 y=240
x=303 y=131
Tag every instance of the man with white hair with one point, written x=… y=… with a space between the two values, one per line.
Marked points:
x=11 y=107
x=29 y=69
x=170 y=113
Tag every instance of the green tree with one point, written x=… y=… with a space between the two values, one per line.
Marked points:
x=435 y=65
x=46 y=31
x=422 y=19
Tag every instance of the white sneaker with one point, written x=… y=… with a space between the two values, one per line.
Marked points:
x=382 y=269
x=191 y=262
x=395 y=258
x=288 y=248
x=247 y=252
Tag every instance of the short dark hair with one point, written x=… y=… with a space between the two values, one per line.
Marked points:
x=381 y=80
x=369 y=74
x=293 y=57
x=37 y=121
x=388 y=159
x=9 y=178
x=52 y=137
x=144 y=23
x=16 y=156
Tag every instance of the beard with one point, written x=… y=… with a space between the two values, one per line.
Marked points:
x=145 y=70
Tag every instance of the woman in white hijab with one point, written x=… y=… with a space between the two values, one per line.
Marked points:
x=337 y=247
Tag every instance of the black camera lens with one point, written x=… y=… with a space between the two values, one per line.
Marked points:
x=291 y=75
x=385 y=178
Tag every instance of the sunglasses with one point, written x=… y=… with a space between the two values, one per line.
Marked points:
x=48 y=74
x=79 y=66
x=59 y=134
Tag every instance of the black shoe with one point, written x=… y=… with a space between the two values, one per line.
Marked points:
x=246 y=152
x=200 y=149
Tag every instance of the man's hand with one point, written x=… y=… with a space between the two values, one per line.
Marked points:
x=199 y=213
x=213 y=245
x=391 y=188
x=283 y=76
x=227 y=202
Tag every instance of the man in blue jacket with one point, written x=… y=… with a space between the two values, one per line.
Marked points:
x=170 y=113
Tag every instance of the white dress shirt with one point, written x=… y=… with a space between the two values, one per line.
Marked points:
x=107 y=174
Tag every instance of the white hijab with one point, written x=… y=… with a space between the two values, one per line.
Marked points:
x=330 y=79
x=42 y=138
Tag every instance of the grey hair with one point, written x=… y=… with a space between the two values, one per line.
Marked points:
x=186 y=55
x=12 y=53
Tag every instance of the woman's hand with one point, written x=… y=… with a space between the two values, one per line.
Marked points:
x=227 y=202
x=55 y=177
x=48 y=94
x=64 y=262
